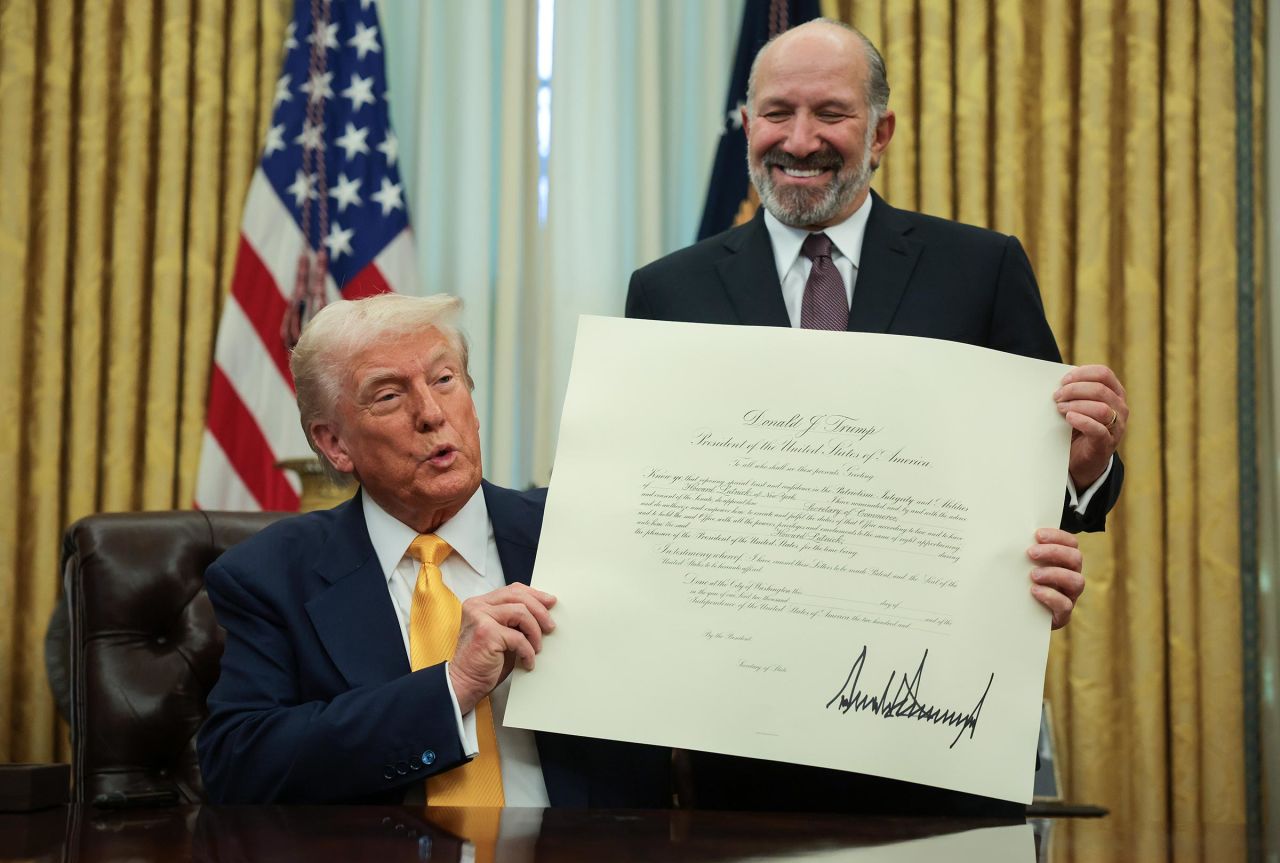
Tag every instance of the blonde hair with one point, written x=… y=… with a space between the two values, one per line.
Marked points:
x=347 y=327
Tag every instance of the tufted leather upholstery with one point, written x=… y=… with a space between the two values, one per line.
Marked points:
x=144 y=645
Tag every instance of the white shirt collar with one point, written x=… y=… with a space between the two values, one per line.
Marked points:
x=846 y=237
x=467 y=533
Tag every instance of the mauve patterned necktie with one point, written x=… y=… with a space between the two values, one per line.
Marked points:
x=825 y=305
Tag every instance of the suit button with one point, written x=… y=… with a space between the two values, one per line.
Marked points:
x=402 y=768
x=388 y=772
x=413 y=765
x=428 y=757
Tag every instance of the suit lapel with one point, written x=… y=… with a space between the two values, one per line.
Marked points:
x=888 y=258
x=354 y=617
x=750 y=276
x=517 y=522
x=515 y=531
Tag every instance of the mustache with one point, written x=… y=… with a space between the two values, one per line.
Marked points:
x=819 y=161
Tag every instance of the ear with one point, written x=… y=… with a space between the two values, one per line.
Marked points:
x=329 y=442
x=884 y=133
x=746 y=122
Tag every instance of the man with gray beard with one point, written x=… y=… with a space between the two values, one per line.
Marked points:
x=826 y=252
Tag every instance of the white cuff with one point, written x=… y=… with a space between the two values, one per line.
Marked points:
x=466 y=724
x=1080 y=502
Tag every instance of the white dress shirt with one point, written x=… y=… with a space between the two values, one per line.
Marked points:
x=846 y=253
x=793 y=267
x=472 y=569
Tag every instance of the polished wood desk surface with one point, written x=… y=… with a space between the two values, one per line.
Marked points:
x=389 y=834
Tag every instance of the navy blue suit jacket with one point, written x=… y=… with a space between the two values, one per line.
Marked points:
x=918 y=276
x=316 y=701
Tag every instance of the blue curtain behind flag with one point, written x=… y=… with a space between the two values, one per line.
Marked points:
x=728 y=187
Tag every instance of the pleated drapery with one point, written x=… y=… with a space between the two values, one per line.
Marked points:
x=128 y=133
x=463 y=83
x=1103 y=135
x=637 y=96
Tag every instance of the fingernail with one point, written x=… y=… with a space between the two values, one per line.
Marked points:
x=1037 y=575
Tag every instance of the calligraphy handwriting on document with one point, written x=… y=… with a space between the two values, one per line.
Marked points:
x=808 y=493
x=821 y=567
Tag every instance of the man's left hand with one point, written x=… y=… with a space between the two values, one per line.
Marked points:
x=1092 y=400
x=1057 y=580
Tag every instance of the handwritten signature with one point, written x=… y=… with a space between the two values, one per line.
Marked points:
x=905 y=703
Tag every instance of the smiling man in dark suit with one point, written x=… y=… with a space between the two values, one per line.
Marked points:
x=826 y=252
x=368 y=646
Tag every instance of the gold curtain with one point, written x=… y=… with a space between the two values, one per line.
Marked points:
x=128 y=133
x=1103 y=135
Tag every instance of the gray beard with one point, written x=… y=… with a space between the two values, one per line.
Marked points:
x=800 y=208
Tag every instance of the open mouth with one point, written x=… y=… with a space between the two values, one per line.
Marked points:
x=442 y=456
x=818 y=166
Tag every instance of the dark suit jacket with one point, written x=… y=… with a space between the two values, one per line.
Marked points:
x=316 y=702
x=918 y=276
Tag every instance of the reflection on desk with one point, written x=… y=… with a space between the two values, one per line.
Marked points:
x=387 y=834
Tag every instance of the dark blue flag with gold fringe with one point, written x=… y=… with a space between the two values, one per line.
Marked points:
x=730 y=199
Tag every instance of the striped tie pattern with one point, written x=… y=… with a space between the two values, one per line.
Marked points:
x=435 y=617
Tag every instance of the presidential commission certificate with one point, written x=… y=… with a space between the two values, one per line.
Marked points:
x=802 y=546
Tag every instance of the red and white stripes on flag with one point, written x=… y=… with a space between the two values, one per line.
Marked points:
x=329 y=164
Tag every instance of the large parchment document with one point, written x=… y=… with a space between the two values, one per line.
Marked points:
x=801 y=546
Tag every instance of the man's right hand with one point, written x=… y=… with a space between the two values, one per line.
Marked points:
x=499 y=628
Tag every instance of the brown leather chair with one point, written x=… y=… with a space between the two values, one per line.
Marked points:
x=144 y=647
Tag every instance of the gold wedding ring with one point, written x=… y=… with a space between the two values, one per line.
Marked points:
x=1115 y=415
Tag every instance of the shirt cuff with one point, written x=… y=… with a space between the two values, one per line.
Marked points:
x=1080 y=502
x=466 y=724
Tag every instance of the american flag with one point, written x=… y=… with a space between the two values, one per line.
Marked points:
x=328 y=173
x=730 y=198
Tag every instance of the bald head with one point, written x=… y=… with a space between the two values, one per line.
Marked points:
x=826 y=41
x=817 y=123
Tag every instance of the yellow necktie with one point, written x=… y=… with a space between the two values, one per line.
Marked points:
x=480 y=827
x=434 y=620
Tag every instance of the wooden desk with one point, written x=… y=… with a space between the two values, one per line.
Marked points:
x=390 y=834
